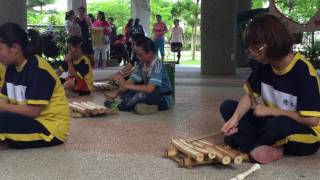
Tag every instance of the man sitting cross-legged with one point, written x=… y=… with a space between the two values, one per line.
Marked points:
x=148 y=89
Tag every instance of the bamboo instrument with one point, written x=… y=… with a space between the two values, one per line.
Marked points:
x=201 y=150
x=211 y=154
x=185 y=149
x=224 y=159
x=244 y=156
x=237 y=159
x=204 y=136
x=76 y=114
x=93 y=110
x=126 y=70
x=79 y=109
x=101 y=109
x=171 y=153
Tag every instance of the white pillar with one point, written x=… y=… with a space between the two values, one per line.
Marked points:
x=141 y=9
x=14 y=11
x=75 y=4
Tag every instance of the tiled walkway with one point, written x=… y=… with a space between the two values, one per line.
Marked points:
x=130 y=146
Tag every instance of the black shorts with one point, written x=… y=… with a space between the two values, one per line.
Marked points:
x=176 y=47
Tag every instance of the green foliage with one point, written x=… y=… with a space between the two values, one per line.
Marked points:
x=258 y=3
x=299 y=10
x=163 y=8
x=186 y=10
x=34 y=18
x=118 y=9
x=34 y=3
x=42 y=17
x=55 y=20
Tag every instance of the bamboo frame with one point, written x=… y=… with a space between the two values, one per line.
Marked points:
x=89 y=109
x=220 y=156
x=188 y=151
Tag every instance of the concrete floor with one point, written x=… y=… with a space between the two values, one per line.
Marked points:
x=130 y=146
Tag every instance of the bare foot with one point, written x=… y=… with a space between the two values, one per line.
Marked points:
x=266 y=154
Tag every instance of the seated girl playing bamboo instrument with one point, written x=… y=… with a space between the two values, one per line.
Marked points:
x=33 y=105
x=288 y=121
x=78 y=66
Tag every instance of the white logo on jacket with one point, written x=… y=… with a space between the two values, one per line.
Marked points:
x=16 y=92
x=282 y=100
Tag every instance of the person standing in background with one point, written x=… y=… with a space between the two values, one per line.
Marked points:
x=85 y=25
x=176 y=39
x=72 y=27
x=113 y=33
x=127 y=37
x=159 y=29
x=101 y=30
x=137 y=28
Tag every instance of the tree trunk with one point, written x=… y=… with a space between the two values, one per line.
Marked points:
x=194 y=34
x=194 y=41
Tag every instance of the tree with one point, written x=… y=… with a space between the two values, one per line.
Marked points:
x=258 y=3
x=35 y=3
x=299 y=10
x=118 y=9
x=189 y=11
x=163 y=8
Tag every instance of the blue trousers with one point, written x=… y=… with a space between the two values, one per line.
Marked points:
x=159 y=43
x=254 y=131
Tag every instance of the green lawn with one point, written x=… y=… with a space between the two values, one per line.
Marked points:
x=186 y=58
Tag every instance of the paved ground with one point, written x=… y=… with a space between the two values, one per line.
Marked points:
x=129 y=146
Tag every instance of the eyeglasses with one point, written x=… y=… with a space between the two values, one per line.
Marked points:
x=254 y=51
x=257 y=49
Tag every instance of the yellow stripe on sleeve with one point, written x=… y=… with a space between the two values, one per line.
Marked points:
x=246 y=90
x=310 y=113
x=79 y=75
x=38 y=102
x=62 y=69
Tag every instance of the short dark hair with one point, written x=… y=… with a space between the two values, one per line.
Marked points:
x=136 y=21
x=158 y=16
x=82 y=8
x=75 y=41
x=69 y=13
x=103 y=17
x=146 y=44
x=137 y=36
x=268 y=30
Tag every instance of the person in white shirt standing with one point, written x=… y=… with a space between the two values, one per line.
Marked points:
x=176 y=39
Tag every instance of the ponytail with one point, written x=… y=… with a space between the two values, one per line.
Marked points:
x=35 y=43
